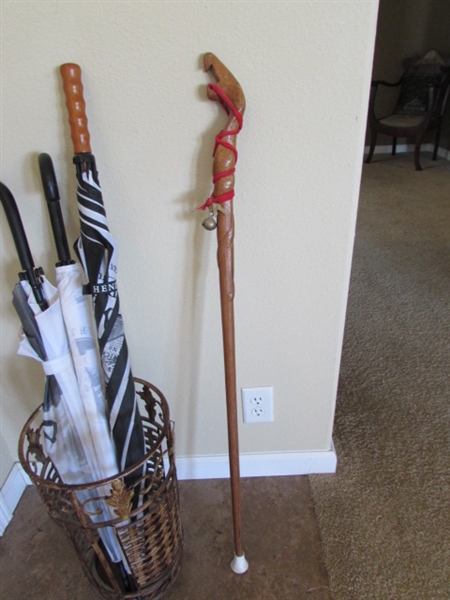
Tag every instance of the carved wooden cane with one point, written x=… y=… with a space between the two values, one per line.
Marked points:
x=229 y=94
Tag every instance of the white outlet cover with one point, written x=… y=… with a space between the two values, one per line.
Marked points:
x=257 y=404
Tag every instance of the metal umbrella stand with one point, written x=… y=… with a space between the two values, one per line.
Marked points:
x=150 y=536
x=229 y=94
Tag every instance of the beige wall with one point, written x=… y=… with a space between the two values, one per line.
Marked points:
x=405 y=29
x=152 y=132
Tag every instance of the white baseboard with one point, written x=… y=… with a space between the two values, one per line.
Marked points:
x=11 y=493
x=258 y=465
x=387 y=149
x=197 y=467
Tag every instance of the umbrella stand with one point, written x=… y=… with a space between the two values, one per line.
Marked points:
x=229 y=94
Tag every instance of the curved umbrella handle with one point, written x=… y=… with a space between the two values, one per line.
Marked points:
x=52 y=197
x=21 y=243
x=73 y=90
x=17 y=230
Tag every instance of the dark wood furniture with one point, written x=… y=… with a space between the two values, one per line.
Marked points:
x=422 y=100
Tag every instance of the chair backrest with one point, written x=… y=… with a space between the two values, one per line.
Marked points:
x=419 y=75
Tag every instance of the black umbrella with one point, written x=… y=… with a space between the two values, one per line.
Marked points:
x=33 y=276
x=20 y=299
x=97 y=250
x=30 y=273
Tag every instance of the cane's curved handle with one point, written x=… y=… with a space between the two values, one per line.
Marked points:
x=229 y=94
x=227 y=82
x=73 y=90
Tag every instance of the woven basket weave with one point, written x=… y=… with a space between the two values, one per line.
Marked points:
x=149 y=531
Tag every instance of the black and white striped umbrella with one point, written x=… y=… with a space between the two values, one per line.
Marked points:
x=97 y=251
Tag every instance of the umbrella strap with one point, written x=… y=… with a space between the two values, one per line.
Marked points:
x=58 y=365
x=229 y=108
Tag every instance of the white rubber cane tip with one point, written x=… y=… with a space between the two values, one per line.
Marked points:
x=239 y=564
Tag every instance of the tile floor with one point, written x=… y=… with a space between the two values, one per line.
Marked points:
x=281 y=541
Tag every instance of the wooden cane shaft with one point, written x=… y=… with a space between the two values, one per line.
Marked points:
x=73 y=90
x=225 y=237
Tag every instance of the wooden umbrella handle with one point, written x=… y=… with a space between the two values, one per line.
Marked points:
x=73 y=90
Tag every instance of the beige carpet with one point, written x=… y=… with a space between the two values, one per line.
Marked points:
x=384 y=517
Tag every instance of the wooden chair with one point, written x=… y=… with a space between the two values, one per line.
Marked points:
x=424 y=92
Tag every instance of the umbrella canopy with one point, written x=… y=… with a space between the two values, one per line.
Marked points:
x=79 y=326
x=76 y=435
x=97 y=250
x=61 y=442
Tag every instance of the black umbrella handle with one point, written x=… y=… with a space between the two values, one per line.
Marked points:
x=51 y=193
x=23 y=249
x=76 y=106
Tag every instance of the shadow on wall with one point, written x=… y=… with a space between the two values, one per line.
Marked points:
x=197 y=264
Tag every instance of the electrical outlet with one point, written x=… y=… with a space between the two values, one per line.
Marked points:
x=257 y=404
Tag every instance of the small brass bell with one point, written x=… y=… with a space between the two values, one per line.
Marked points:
x=210 y=222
